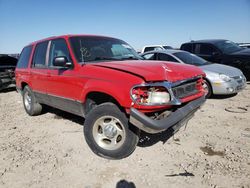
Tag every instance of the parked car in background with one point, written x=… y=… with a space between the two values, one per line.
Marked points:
x=104 y=80
x=244 y=45
x=155 y=47
x=220 y=79
x=7 y=70
x=221 y=51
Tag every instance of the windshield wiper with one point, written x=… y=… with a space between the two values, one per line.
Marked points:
x=104 y=58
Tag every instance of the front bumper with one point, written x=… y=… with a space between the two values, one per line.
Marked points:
x=175 y=120
x=231 y=87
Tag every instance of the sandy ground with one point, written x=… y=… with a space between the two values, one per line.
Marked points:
x=50 y=150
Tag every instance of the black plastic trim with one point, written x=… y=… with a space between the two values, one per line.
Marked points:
x=154 y=126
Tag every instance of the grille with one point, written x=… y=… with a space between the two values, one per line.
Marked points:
x=185 y=90
x=239 y=79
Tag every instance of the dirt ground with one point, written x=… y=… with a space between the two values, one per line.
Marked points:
x=50 y=151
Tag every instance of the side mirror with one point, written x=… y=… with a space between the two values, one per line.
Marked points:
x=61 y=61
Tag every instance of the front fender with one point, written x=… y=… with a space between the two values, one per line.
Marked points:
x=120 y=91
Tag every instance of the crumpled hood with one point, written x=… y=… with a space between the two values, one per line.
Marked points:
x=223 y=69
x=154 y=70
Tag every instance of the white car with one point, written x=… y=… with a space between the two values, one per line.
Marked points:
x=244 y=45
x=155 y=47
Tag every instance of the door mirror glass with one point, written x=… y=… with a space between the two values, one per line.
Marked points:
x=61 y=61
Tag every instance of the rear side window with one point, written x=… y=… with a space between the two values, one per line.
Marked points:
x=23 y=61
x=39 y=59
x=150 y=56
x=147 y=49
x=165 y=57
x=187 y=47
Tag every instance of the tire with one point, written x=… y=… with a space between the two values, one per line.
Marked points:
x=208 y=89
x=31 y=106
x=107 y=132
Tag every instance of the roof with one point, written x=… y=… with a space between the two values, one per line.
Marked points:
x=67 y=36
x=170 y=51
x=212 y=41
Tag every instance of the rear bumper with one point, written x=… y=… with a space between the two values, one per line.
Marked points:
x=175 y=120
x=6 y=81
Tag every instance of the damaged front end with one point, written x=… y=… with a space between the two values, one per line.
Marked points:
x=182 y=98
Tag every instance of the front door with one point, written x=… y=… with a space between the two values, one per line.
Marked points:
x=64 y=87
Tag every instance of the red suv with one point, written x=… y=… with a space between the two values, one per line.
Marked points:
x=117 y=92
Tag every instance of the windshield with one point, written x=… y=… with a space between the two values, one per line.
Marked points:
x=94 y=49
x=228 y=47
x=191 y=59
x=167 y=47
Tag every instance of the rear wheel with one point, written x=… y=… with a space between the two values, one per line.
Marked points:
x=31 y=106
x=107 y=132
x=207 y=88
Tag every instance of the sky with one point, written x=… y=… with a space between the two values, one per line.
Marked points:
x=138 y=22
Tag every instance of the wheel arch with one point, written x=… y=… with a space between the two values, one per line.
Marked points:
x=99 y=97
x=210 y=84
x=23 y=84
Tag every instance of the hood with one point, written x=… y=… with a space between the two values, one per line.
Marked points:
x=223 y=69
x=154 y=70
x=243 y=52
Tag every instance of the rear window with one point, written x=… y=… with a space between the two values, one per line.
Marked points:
x=23 y=61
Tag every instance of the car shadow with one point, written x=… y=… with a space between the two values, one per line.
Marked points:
x=59 y=114
x=223 y=96
x=125 y=184
x=147 y=140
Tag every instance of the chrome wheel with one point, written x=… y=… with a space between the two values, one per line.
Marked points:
x=27 y=100
x=109 y=133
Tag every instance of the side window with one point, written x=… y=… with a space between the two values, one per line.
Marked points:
x=58 y=48
x=23 y=61
x=147 y=49
x=39 y=59
x=206 y=49
x=187 y=47
x=150 y=56
x=166 y=57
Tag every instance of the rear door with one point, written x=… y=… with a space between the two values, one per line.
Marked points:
x=207 y=51
x=38 y=72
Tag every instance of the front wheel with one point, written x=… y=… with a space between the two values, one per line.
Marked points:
x=107 y=132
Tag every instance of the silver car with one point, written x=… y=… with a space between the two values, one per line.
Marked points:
x=220 y=79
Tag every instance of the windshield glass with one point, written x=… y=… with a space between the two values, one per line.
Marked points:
x=94 y=49
x=167 y=47
x=191 y=59
x=228 y=47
